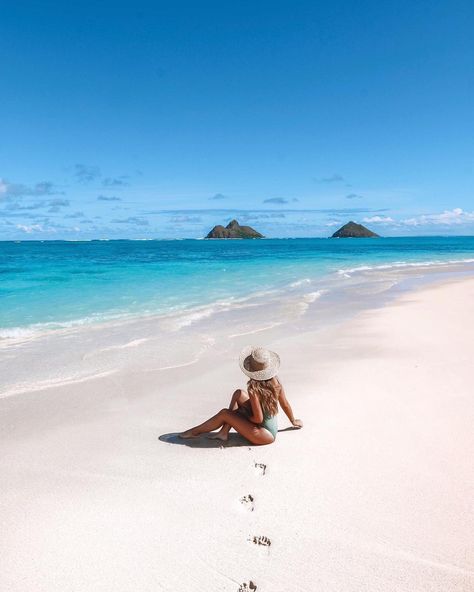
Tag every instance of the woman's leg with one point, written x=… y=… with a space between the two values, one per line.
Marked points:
x=254 y=433
x=239 y=399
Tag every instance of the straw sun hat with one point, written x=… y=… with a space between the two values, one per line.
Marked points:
x=259 y=363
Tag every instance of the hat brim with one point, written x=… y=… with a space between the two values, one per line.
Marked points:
x=267 y=373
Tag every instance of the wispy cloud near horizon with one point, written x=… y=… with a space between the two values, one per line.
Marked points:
x=276 y=200
x=54 y=205
x=9 y=190
x=116 y=181
x=108 y=198
x=185 y=219
x=452 y=217
x=86 y=173
x=134 y=220
x=378 y=220
x=334 y=178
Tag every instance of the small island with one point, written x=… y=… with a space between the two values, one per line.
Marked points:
x=233 y=230
x=354 y=230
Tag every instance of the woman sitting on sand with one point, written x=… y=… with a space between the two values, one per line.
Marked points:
x=253 y=413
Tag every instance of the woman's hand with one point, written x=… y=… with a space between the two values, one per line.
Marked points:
x=297 y=423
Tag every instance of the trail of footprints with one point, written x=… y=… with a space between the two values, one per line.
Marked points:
x=245 y=587
x=248 y=501
x=261 y=541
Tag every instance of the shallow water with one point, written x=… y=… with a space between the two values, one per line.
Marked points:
x=57 y=284
x=72 y=312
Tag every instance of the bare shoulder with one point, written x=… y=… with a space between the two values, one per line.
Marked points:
x=276 y=383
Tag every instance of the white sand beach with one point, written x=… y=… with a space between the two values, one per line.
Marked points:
x=375 y=493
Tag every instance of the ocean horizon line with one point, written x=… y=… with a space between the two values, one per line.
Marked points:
x=194 y=238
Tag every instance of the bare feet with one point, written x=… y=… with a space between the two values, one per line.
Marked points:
x=224 y=436
x=188 y=434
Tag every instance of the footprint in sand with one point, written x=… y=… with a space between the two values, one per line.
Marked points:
x=260 y=468
x=247 y=587
x=260 y=541
x=248 y=501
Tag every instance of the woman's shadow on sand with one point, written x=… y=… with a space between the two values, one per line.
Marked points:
x=204 y=442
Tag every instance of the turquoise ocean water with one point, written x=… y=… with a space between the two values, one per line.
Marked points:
x=57 y=284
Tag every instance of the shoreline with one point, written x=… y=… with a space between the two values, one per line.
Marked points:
x=32 y=331
x=372 y=493
x=276 y=269
x=84 y=352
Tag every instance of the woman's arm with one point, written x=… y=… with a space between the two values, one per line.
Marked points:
x=285 y=405
x=257 y=413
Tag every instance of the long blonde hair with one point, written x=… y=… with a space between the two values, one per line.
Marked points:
x=267 y=393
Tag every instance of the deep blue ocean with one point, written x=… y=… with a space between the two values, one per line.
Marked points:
x=58 y=283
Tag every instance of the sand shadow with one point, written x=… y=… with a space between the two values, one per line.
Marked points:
x=205 y=442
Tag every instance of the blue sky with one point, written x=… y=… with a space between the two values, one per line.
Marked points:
x=151 y=119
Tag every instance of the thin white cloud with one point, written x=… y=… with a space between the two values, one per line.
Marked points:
x=334 y=178
x=30 y=229
x=189 y=219
x=16 y=190
x=57 y=204
x=85 y=173
x=276 y=200
x=446 y=218
x=108 y=198
x=115 y=181
x=132 y=220
x=379 y=220
x=258 y=217
x=54 y=205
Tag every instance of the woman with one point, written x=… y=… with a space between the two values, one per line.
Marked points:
x=252 y=413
